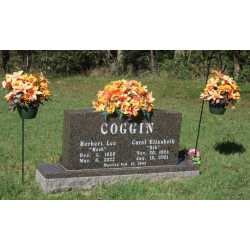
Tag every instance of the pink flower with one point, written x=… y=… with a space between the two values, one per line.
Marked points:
x=191 y=152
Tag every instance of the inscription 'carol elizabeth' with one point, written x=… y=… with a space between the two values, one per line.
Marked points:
x=132 y=128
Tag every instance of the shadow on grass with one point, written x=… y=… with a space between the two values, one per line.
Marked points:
x=228 y=147
x=182 y=153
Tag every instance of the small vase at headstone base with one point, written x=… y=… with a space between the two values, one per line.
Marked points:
x=217 y=109
x=27 y=112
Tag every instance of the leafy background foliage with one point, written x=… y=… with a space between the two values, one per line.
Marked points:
x=189 y=65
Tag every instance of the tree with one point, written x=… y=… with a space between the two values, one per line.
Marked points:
x=178 y=53
x=152 y=60
x=6 y=58
x=119 y=57
x=236 y=63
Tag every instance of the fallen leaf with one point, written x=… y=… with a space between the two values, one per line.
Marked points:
x=207 y=169
x=240 y=193
x=151 y=195
x=235 y=132
x=187 y=87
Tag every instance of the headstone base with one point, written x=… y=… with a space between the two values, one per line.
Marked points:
x=54 y=178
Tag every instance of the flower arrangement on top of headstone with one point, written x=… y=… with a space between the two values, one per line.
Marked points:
x=221 y=90
x=26 y=92
x=124 y=98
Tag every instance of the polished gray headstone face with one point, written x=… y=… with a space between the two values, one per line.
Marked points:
x=92 y=142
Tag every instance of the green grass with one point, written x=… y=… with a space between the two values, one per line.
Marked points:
x=223 y=144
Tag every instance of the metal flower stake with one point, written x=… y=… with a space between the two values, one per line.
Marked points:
x=26 y=92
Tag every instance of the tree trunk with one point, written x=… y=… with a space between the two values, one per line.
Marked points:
x=108 y=58
x=119 y=57
x=236 y=63
x=178 y=53
x=152 y=60
x=6 y=58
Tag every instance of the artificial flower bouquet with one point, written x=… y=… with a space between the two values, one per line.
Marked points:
x=195 y=158
x=26 y=90
x=124 y=98
x=221 y=90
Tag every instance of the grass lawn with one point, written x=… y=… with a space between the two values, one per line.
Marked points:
x=223 y=144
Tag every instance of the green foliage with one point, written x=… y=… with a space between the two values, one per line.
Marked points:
x=197 y=161
x=192 y=64
x=105 y=113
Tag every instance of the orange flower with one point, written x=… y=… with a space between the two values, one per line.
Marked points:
x=96 y=105
x=21 y=87
x=27 y=96
x=234 y=86
x=227 y=88
x=47 y=93
x=234 y=96
x=214 y=95
x=43 y=86
x=9 y=96
x=218 y=73
x=212 y=82
x=111 y=109
x=34 y=92
x=33 y=79
x=43 y=79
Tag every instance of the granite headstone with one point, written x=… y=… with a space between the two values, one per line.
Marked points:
x=97 y=147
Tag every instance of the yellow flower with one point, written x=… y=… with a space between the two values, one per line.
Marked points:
x=101 y=107
x=43 y=86
x=9 y=96
x=111 y=109
x=33 y=79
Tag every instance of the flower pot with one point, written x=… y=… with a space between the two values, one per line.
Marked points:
x=27 y=112
x=217 y=109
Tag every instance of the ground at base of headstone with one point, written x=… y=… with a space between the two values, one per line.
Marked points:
x=54 y=178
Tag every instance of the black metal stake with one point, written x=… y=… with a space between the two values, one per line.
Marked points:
x=23 y=151
x=203 y=99
x=23 y=141
x=208 y=69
